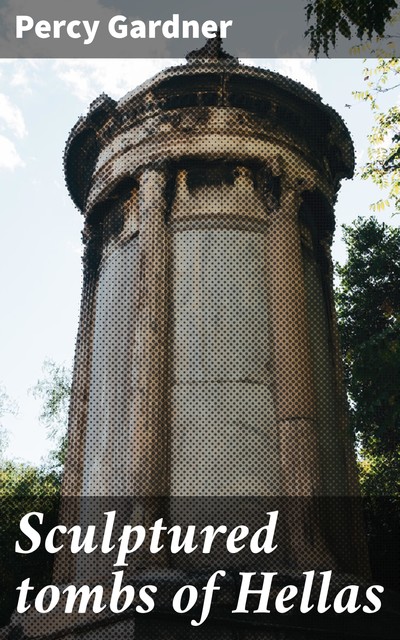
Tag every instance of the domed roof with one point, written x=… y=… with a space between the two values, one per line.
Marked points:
x=211 y=78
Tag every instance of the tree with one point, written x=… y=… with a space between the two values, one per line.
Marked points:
x=329 y=18
x=25 y=488
x=3 y=442
x=7 y=406
x=384 y=150
x=54 y=390
x=368 y=302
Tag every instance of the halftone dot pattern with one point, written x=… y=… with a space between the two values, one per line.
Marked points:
x=207 y=363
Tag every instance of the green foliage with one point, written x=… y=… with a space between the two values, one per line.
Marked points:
x=7 y=406
x=384 y=140
x=329 y=18
x=368 y=303
x=54 y=390
x=3 y=442
x=19 y=480
x=23 y=488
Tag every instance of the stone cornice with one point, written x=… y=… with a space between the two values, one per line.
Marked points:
x=271 y=103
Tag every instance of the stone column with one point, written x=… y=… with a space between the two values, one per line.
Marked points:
x=64 y=565
x=150 y=437
x=352 y=485
x=293 y=381
x=350 y=527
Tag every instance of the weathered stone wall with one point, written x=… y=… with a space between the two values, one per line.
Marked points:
x=223 y=435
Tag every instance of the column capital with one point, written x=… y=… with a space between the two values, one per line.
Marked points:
x=293 y=183
x=159 y=168
x=304 y=181
x=275 y=164
x=152 y=193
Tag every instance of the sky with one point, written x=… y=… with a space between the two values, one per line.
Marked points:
x=40 y=243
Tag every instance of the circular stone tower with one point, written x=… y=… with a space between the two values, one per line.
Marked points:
x=207 y=359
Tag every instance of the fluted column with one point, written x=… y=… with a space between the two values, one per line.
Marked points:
x=352 y=485
x=294 y=395
x=64 y=565
x=293 y=380
x=150 y=435
x=351 y=522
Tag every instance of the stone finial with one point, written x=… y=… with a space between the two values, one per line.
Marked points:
x=212 y=51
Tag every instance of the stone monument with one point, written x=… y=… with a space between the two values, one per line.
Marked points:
x=207 y=332
x=207 y=362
